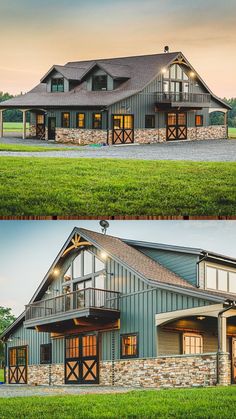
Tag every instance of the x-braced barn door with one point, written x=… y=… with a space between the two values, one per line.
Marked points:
x=81 y=360
x=18 y=365
x=176 y=126
x=123 y=129
x=40 y=126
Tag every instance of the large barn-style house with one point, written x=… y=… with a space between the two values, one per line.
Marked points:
x=141 y=99
x=119 y=312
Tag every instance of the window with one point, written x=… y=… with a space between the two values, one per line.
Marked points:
x=72 y=347
x=172 y=119
x=199 y=120
x=232 y=282
x=221 y=280
x=211 y=278
x=65 y=120
x=46 y=353
x=77 y=266
x=97 y=121
x=80 y=120
x=182 y=119
x=192 y=343
x=57 y=85
x=99 y=83
x=40 y=119
x=88 y=268
x=149 y=121
x=129 y=346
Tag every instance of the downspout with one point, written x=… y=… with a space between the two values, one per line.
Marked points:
x=107 y=123
x=200 y=260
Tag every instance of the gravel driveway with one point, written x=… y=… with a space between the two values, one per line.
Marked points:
x=8 y=391
x=207 y=150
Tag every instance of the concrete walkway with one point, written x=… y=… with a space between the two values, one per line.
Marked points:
x=8 y=391
x=207 y=150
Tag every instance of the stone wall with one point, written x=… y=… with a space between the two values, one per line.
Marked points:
x=162 y=372
x=141 y=136
x=224 y=369
x=81 y=136
x=212 y=132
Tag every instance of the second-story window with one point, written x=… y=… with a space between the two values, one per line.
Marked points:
x=99 y=83
x=97 y=121
x=57 y=85
x=65 y=120
x=220 y=279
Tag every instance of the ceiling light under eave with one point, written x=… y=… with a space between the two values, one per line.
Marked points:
x=201 y=317
x=164 y=70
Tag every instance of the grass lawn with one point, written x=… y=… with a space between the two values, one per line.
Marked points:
x=1 y=375
x=96 y=187
x=190 y=403
x=14 y=126
x=232 y=132
x=32 y=148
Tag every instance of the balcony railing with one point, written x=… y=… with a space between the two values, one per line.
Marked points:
x=199 y=98
x=72 y=302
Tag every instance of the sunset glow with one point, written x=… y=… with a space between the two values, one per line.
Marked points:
x=35 y=35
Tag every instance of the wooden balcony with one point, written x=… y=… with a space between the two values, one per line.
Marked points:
x=69 y=309
x=183 y=100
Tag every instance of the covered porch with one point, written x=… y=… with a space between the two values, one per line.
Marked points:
x=37 y=125
x=201 y=330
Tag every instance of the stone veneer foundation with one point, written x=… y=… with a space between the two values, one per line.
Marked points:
x=160 y=372
x=141 y=136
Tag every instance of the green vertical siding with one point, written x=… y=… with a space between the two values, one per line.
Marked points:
x=183 y=264
x=139 y=303
x=32 y=339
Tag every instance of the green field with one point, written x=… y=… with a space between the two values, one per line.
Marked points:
x=107 y=187
x=232 y=132
x=210 y=403
x=32 y=148
x=14 y=126
x=1 y=375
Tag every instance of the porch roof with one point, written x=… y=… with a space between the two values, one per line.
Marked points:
x=212 y=310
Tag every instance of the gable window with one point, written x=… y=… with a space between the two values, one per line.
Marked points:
x=46 y=353
x=149 y=121
x=97 y=121
x=192 y=343
x=220 y=279
x=57 y=85
x=65 y=120
x=129 y=345
x=99 y=83
x=80 y=120
x=198 y=120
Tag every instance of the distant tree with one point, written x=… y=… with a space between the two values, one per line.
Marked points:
x=11 y=115
x=6 y=319
x=217 y=118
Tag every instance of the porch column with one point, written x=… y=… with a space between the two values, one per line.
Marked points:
x=223 y=367
x=1 y=122
x=24 y=124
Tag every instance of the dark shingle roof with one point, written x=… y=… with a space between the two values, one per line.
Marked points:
x=135 y=259
x=139 y=70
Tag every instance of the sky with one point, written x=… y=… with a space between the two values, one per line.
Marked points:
x=28 y=248
x=34 y=35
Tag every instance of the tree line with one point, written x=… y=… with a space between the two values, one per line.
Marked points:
x=216 y=118
x=6 y=319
